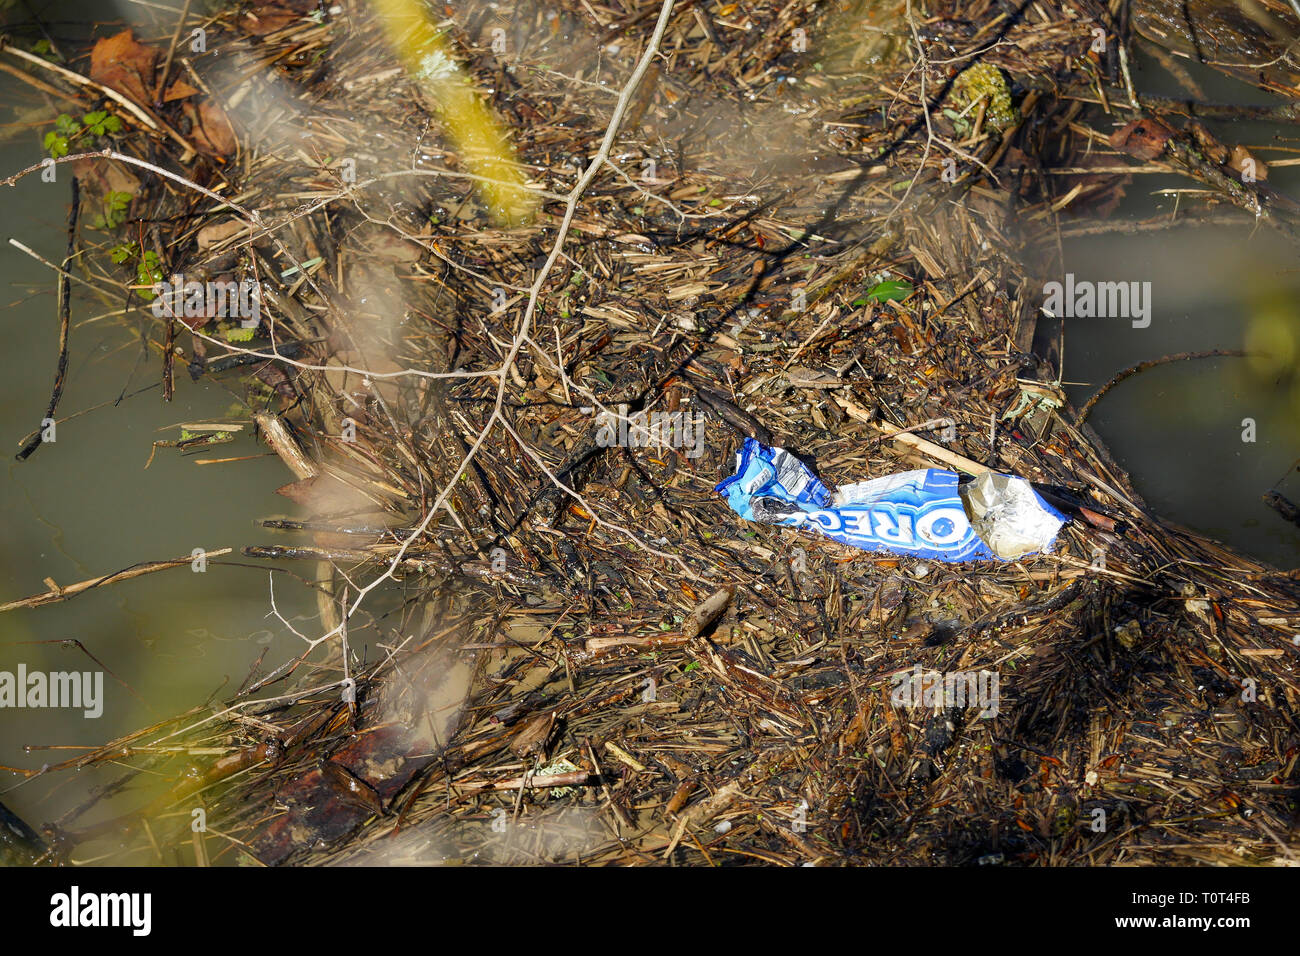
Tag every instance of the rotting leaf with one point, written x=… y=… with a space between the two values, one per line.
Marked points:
x=219 y=232
x=304 y=492
x=268 y=18
x=126 y=65
x=1143 y=138
x=533 y=737
x=212 y=129
x=102 y=180
x=179 y=90
x=1214 y=150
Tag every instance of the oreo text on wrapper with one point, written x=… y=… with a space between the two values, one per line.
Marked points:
x=930 y=513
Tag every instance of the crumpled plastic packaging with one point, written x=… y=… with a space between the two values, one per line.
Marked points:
x=929 y=513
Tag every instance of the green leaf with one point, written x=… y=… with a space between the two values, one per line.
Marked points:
x=66 y=125
x=56 y=145
x=101 y=122
x=121 y=253
x=238 y=334
x=891 y=290
x=147 y=273
x=114 y=214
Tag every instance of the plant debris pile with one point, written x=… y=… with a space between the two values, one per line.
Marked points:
x=825 y=226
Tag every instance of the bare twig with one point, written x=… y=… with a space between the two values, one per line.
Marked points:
x=65 y=312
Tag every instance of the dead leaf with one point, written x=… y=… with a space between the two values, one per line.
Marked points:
x=125 y=65
x=212 y=130
x=532 y=738
x=267 y=19
x=1101 y=193
x=1214 y=151
x=195 y=322
x=302 y=492
x=326 y=494
x=382 y=243
x=102 y=178
x=178 y=91
x=218 y=232
x=1143 y=138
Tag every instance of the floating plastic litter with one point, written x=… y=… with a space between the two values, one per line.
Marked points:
x=929 y=513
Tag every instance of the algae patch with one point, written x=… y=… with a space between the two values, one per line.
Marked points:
x=985 y=81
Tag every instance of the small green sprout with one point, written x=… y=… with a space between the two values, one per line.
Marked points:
x=148 y=272
x=114 y=214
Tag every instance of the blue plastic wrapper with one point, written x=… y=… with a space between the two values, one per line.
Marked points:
x=915 y=513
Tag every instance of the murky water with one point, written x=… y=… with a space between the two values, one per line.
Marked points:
x=1182 y=430
x=85 y=505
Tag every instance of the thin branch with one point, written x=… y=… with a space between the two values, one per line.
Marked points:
x=65 y=313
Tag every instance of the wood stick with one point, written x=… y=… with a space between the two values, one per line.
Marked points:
x=57 y=593
x=65 y=311
x=171 y=54
x=596 y=646
x=575 y=779
x=902 y=437
x=282 y=443
x=1151 y=363
x=706 y=613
